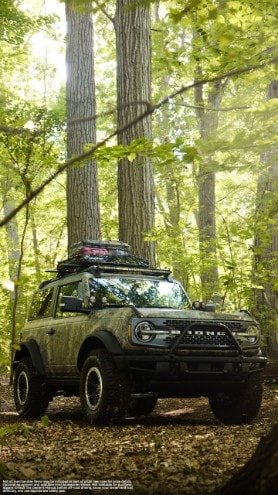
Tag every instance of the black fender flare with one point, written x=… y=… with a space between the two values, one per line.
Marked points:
x=100 y=338
x=109 y=341
x=30 y=347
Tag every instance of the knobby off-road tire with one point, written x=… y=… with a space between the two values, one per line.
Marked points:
x=30 y=394
x=104 y=390
x=241 y=406
x=142 y=406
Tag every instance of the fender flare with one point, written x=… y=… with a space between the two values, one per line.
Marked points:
x=109 y=341
x=100 y=338
x=31 y=347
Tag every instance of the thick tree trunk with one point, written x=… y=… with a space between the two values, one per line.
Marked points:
x=260 y=475
x=135 y=177
x=82 y=182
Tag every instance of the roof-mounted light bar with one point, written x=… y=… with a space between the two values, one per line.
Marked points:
x=101 y=268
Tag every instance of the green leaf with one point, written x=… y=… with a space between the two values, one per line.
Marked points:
x=3 y=469
x=131 y=157
x=8 y=430
x=45 y=421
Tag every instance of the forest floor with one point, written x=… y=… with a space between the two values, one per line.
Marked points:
x=181 y=449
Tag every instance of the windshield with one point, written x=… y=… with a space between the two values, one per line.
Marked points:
x=143 y=293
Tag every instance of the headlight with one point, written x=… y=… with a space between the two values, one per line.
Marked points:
x=144 y=331
x=253 y=334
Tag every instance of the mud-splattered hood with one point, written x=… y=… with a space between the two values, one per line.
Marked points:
x=193 y=314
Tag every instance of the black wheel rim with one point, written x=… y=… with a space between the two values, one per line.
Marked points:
x=93 y=388
x=22 y=387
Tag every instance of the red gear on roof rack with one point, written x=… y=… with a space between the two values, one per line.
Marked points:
x=86 y=253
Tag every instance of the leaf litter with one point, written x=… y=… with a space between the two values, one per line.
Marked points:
x=181 y=449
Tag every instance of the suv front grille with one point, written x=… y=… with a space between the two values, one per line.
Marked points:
x=202 y=335
x=182 y=324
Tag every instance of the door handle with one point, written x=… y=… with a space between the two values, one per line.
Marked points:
x=51 y=331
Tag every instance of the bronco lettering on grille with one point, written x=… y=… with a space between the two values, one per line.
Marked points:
x=205 y=332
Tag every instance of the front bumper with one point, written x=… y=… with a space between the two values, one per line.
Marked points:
x=175 y=375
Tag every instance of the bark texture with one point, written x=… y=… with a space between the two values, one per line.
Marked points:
x=259 y=476
x=82 y=182
x=208 y=124
x=135 y=177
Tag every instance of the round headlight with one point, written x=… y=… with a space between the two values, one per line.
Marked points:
x=144 y=331
x=253 y=334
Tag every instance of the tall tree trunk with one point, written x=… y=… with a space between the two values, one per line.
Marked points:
x=82 y=181
x=135 y=178
x=11 y=231
x=266 y=245
x=259 y=476
x=208 y=123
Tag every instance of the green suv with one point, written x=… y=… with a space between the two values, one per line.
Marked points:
x=120 y=334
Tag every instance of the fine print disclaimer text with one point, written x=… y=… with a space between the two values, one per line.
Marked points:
x=62 y=486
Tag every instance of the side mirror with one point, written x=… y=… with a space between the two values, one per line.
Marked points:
x=202 y=306
x=73 y=304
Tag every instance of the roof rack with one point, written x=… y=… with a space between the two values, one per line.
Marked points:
x=99 y=257
x=98 y=268
x=87 y=253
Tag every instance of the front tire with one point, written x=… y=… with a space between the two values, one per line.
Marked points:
x=241 y=406
x=104 y=390
x=30 y=395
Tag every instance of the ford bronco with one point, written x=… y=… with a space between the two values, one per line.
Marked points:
x=120 y=334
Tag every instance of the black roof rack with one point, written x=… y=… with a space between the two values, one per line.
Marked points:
x=101 y=267
x=98 y=269
x=79 y=262
x=99 y=257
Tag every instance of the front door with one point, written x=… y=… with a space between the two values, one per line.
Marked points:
x=64 y=335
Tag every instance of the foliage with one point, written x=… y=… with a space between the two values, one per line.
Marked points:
x=7 y=430
x=190 y=40
x=29 y=149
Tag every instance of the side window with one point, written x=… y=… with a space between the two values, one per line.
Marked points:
x=76 y=290
x=41 y=304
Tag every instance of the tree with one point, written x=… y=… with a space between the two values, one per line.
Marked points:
x=232 y=36
x=21 y=153
x=266 y=239
x=82 y=181
x=259 y=476
x=135 y=174
x=208 y=123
